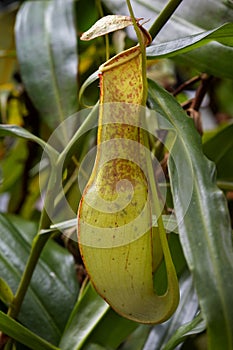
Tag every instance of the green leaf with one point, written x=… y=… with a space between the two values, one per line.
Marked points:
x=111 y=331
x=222 y=34
x=6 y=294
x=218 y=147
x=220 y=64
x=94 y=322
x=96 y=347
x=15 y=130
x=47 y=55
x=197 y=325
x=137 y=339
x=203 y=220
x=20 y=333
x=86 y=314
x=53 y=289
x=93 y=77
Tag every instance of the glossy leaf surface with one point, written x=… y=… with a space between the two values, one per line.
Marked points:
x=46 y=50
x=208 y=237
x=15 y=130
x=222 y=34
x=22 y=334
x=53 y=290
x=197 y=325
x=218 y=146
x=94 y=322
x=88 y=311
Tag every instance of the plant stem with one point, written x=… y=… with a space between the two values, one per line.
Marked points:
x=225 y=185
x=201 y=91
x=163 y=17
x=38 y=244
x=186 y=84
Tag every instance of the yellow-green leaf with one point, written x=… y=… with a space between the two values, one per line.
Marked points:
x=6 y=294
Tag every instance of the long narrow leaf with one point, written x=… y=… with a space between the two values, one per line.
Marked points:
x=203 y=220
x=86 y=314
x=94 y=322
x=46 y=49
x=15 y=130
x=112 y=330
x=23 y=335
x=197 y=325
x=53 y=289
x=222 y=34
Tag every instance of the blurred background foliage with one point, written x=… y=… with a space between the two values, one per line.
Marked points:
x=43 y=65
